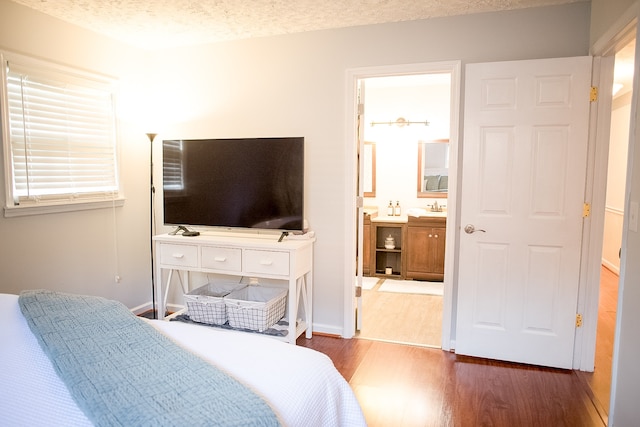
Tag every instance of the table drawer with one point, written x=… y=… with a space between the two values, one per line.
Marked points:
x=178 y=255
x=266 y=262
x=221 y=258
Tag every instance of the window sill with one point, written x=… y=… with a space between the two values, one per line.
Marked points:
x=38 y=209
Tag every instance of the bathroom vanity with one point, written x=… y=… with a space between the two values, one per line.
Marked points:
x=405 y=247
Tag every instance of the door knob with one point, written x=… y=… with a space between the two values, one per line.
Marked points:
x=469 y=229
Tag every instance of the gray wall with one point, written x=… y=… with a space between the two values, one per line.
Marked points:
x=285 y=85
x=82 y=251
x=295 y=85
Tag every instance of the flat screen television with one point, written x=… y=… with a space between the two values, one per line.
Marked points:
x=253 y=183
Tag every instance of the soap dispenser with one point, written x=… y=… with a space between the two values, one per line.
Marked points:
x=397 y=210
x=390 y=209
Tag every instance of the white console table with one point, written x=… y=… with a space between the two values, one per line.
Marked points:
x=254 y=258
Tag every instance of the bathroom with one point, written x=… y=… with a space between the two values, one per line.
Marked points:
x=406 y=157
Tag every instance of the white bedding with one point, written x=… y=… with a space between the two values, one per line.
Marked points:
x=301 y=385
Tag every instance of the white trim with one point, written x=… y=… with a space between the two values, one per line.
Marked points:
x=619 y=32
x=604 y=51
x=139 y=309
x=615 y=211
x=15 y=211
x=322 y=328
x=351 y=109
x=592 y=236
x=611 y=266
x=20 y=199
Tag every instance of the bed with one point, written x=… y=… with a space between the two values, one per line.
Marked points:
x=299 y=385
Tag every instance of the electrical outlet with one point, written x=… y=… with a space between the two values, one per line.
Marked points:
x=633 y=216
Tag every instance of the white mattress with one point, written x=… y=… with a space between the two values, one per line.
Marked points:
x=301 y=385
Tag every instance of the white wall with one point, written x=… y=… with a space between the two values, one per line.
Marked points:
x=397 y=147
x=295 y=85
x=286 y=85
x=82 y=251
x=616 y=179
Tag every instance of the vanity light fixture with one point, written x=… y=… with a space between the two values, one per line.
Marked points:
x=400 y=122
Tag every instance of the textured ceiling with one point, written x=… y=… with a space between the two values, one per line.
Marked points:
x=168 y=23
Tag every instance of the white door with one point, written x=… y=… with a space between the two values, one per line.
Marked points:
x=524 y=165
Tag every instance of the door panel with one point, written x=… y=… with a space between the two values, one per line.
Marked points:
x=524 y=163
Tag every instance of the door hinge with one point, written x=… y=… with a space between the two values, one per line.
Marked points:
x=586 y=210
x=578 y=320
x=593 y=94
x=358 y=291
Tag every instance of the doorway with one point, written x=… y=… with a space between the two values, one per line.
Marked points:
x=614 y=211
x=400 y=113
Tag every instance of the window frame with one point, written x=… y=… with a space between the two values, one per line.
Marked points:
x=66 y=202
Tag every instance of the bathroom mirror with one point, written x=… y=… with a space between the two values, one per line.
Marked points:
x=369 y=159
x=433 y=168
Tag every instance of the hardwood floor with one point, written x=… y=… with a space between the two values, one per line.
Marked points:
x=599 y=381
x=402 y=385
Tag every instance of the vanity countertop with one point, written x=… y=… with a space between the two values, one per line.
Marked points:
x=400 y=218
x=436 y=214
x=419 y=212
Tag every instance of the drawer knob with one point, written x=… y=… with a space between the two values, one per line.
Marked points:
x=178 y=256
x=266 y=262
x=220 y=259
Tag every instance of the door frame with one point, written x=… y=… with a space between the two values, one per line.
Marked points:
x=351 y=109
x=603 y=51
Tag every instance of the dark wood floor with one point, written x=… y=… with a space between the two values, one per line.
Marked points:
x=599 y=381
x=401 y=385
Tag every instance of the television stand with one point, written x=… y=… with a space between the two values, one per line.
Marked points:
x=286 y=262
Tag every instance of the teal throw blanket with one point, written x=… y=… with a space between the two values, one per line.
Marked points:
x=122 y=372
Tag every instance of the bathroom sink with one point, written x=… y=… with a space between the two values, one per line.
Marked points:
x=420 y=212
x=438 y=214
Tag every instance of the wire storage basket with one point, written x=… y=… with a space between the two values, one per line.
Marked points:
x=206 y=303
x=256 y=308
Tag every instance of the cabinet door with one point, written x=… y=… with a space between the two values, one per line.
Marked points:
x=419 y=253
x=437 y=250
x=425 y=252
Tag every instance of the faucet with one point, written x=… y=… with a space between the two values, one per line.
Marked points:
x=435 y=207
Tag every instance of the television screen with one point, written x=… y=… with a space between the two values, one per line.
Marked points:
x=247 y=183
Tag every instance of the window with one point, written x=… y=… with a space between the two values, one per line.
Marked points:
x=59 y=138
x=172 y=174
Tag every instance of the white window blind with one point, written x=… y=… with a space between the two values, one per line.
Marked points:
x=61 y=136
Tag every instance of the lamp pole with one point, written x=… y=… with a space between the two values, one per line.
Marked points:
x=151 y=137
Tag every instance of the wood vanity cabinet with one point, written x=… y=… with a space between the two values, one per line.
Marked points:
x=425 y=248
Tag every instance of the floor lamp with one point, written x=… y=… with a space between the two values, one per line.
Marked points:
x=154 y=314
